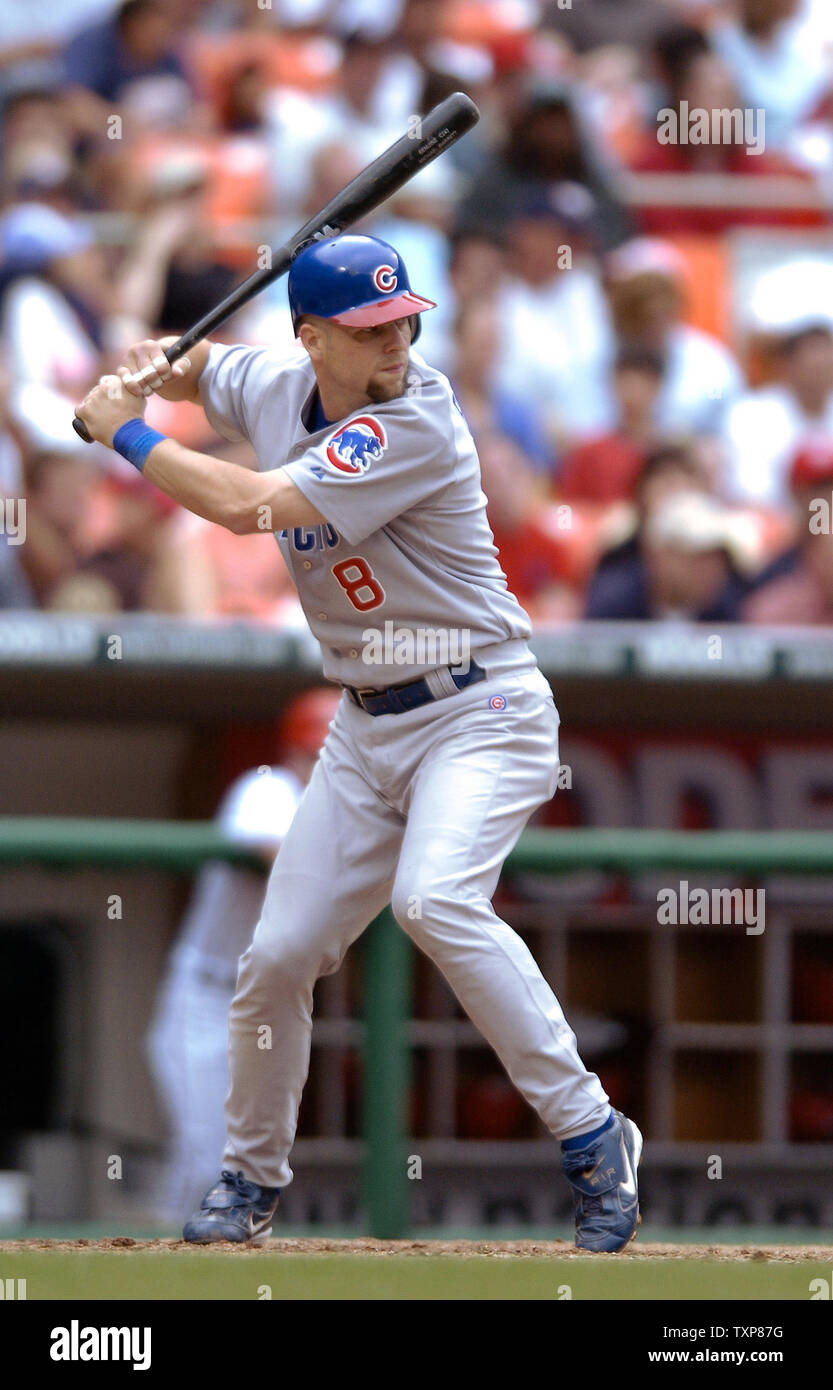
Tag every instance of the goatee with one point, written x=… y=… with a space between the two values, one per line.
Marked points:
x=380 y=391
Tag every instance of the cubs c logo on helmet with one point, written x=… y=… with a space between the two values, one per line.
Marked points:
x=385 y=278
x=352 y=449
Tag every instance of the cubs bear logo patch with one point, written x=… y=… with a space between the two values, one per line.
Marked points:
x=352 y=449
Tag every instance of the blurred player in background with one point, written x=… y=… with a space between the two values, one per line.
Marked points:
x=188 y=1039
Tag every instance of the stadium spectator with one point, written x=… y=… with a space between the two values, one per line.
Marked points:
x=701 y=82
x=488 y=408
x=553 y=319
x=38 y=144
x=547 y=144
x=775 y=58
x=764 y=427
x=172 y=276
x=798 y=585
x=378 y=91
x=243 y=99
x=684 y=567
x=615 y=97
x=15 y=590
x=619 y=586
x=381 y=80
x=606 y=467
x=237 y=576
x=37 y=29
x=646 y=295
x=570 y=370
x=59 y=496
x=149 y=558
x=632 y=22
x=137 y=45
x=54 y=297
x=534 y=555
x=106 y=543
x=476 y=265
x=433 y=60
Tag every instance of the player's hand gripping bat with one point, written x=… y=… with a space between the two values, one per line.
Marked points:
x=434 y=134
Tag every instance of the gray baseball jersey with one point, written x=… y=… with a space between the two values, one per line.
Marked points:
x=403 y=577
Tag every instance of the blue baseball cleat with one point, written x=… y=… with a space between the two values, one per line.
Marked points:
x=234 y=1209
x=603 y=1177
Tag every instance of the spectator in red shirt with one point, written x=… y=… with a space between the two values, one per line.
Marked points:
x=801 y=587
x=535 y=556
x=606 y=468
x=701 y=79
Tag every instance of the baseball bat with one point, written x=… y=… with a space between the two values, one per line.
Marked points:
x=383 y=177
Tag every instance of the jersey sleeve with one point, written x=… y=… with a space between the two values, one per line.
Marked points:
x=384 y=461
x=232 y=378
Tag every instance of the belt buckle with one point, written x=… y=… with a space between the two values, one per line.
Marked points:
x=360 y=695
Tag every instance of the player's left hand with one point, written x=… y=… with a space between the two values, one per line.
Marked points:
x=108 y=406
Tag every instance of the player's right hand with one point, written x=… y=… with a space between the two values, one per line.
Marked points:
x=146 y=368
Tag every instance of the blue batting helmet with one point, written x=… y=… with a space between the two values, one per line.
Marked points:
x=357 y=281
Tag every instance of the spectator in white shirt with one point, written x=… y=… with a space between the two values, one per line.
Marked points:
x=765 y=427
x=377 y=92
x=646 y=292
x=53 y=297
x=777 y=62
x=553 y=320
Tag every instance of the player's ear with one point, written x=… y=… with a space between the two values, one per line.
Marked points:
x=310 y=332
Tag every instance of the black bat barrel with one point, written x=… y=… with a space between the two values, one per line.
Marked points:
x=430 y=137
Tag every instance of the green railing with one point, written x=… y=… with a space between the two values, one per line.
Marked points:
x=182 y=847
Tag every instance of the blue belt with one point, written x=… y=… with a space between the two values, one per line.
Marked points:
x=399 y=698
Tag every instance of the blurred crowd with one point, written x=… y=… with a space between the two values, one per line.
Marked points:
x=639 y=329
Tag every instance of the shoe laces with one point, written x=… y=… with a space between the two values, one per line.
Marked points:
x=579 y=1160
x=248 y=1191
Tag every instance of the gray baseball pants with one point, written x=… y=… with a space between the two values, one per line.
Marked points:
x=418 y=810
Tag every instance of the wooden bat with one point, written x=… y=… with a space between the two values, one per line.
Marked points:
x=383 y=177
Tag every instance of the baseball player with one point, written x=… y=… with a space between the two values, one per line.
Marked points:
x=188 y=1039
x=446 y=736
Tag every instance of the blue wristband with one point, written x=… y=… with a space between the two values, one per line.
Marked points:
x=134 y=441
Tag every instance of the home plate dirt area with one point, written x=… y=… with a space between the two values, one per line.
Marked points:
x=492 y=1249
x=347 y=1270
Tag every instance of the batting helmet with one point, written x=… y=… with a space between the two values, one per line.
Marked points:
x=304 y=723
x=357 y=281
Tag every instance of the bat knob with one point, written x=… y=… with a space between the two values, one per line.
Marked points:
x=82 y=431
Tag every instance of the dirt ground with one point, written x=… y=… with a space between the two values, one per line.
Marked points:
x=503 y=1249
